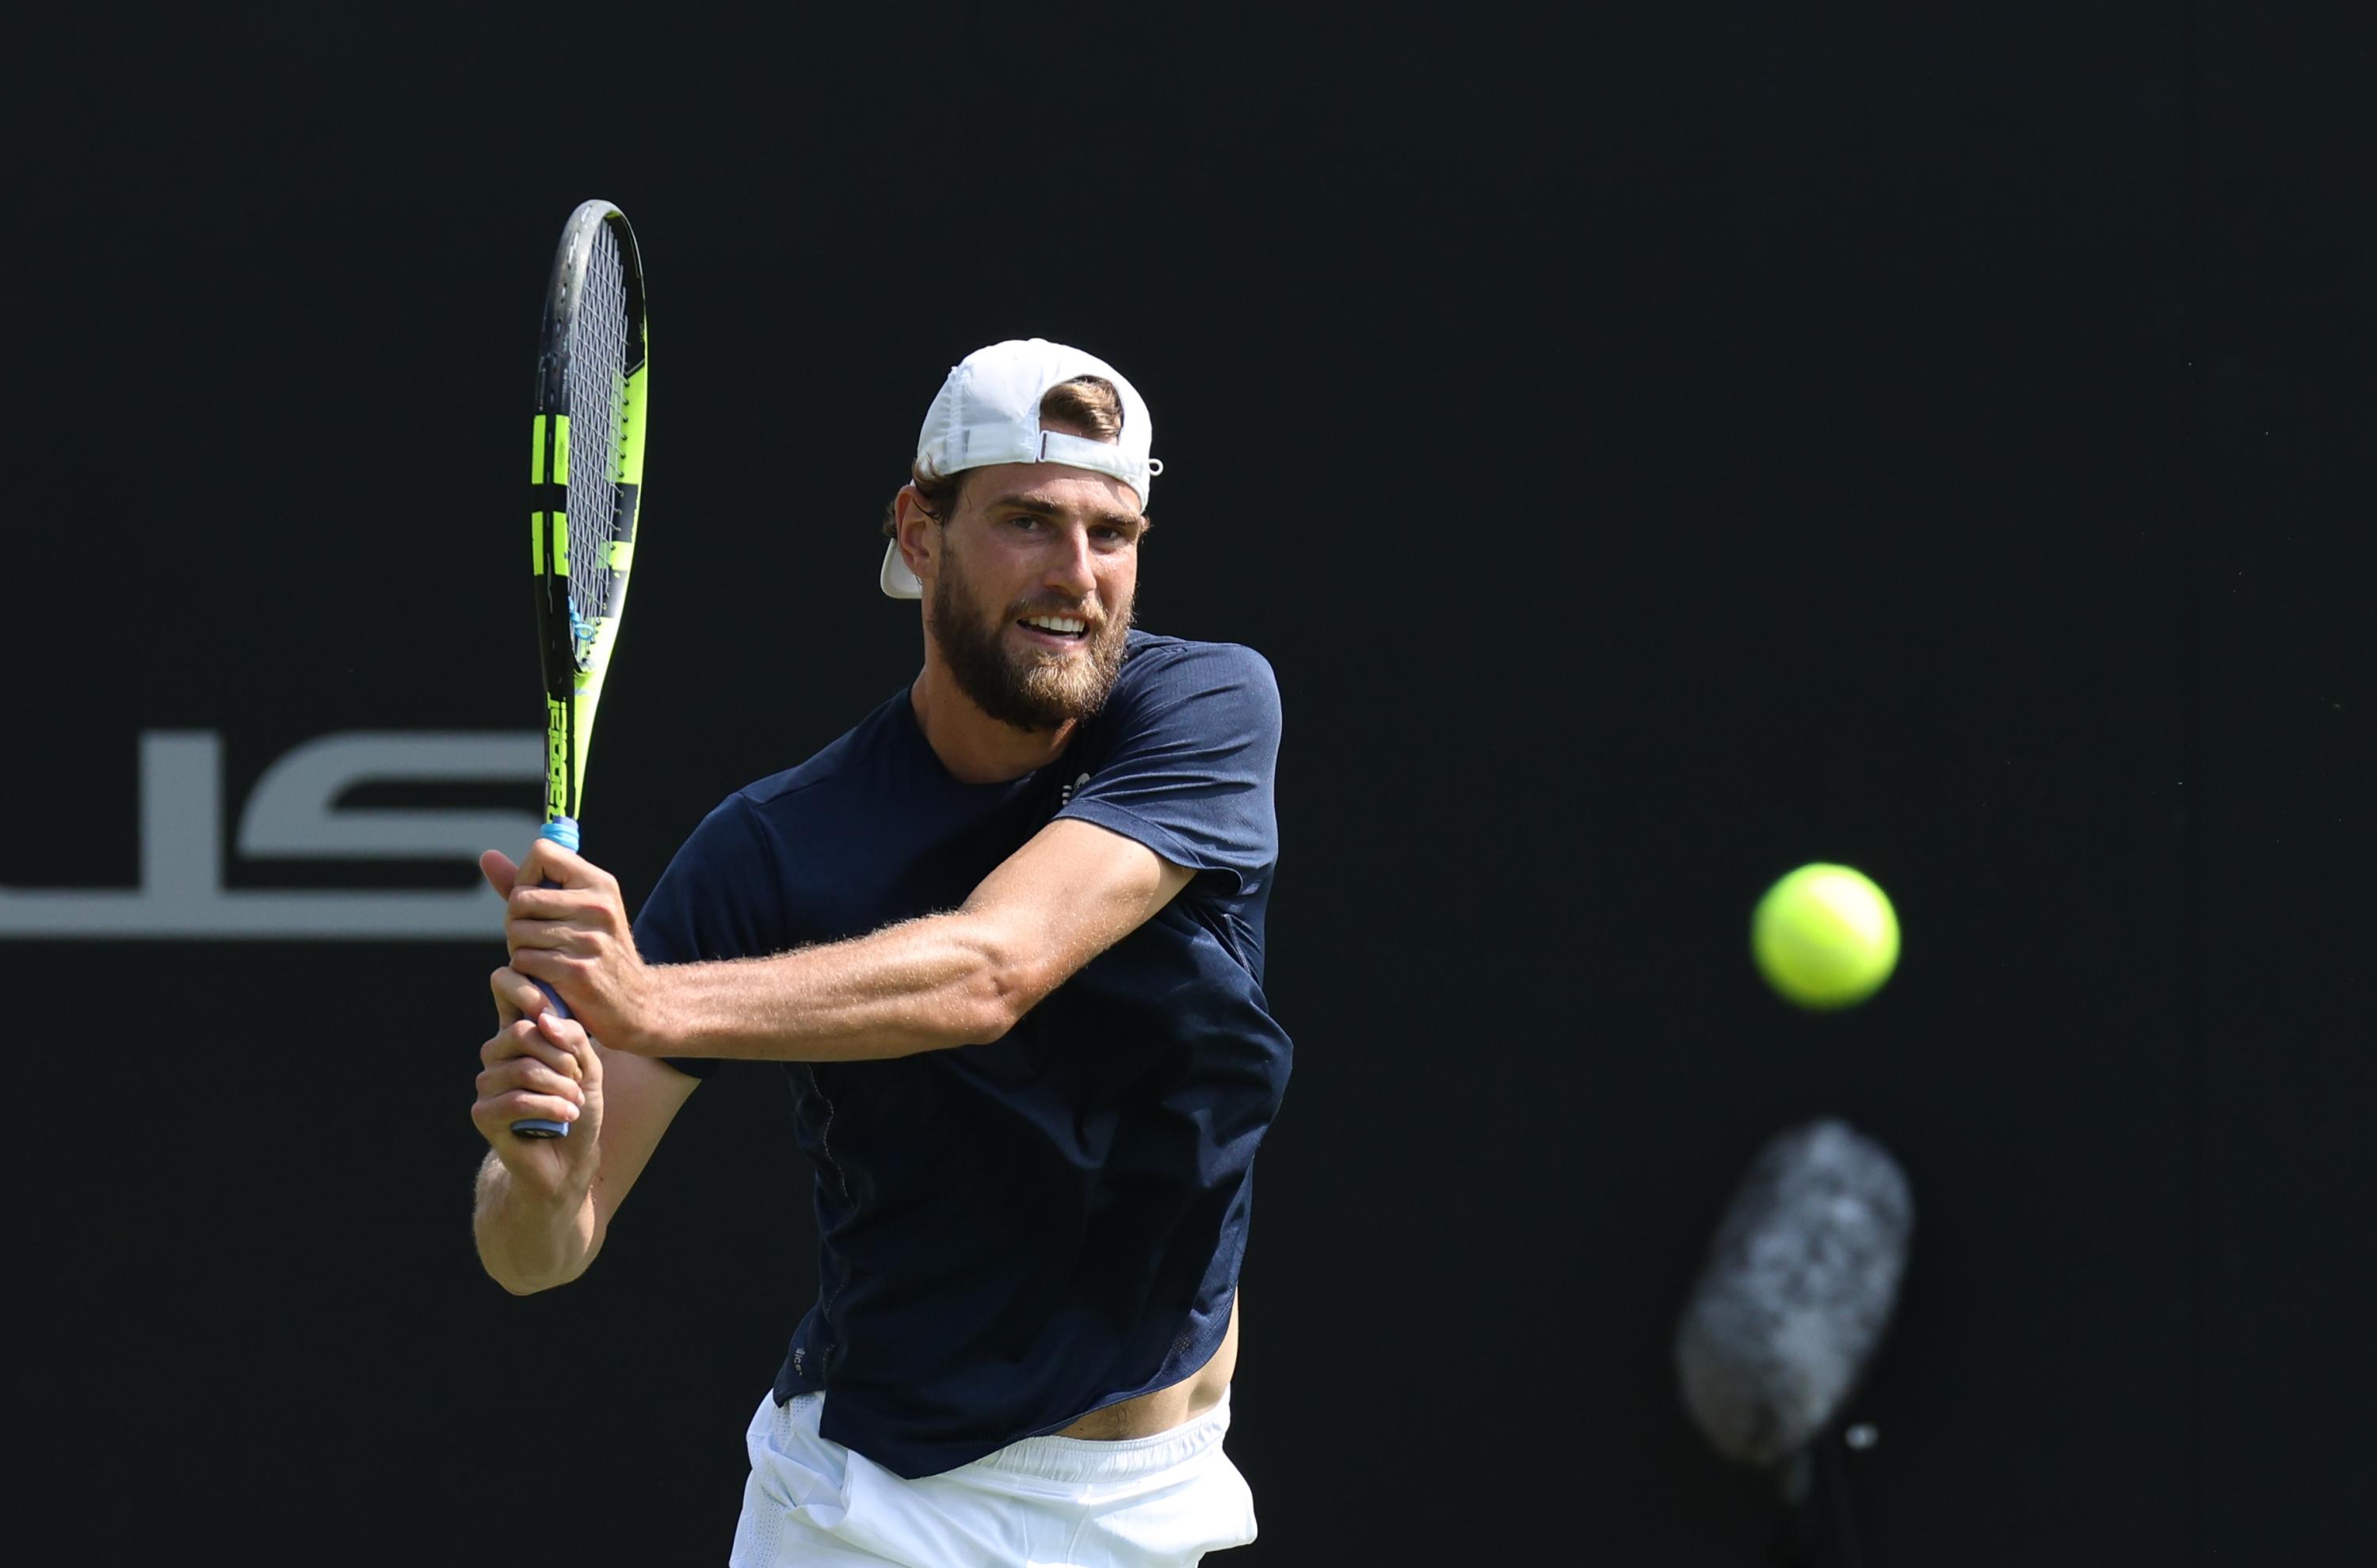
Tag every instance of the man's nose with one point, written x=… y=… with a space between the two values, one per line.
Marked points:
x=1071 y=566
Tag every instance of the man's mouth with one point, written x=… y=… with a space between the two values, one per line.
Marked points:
x=1069 y=628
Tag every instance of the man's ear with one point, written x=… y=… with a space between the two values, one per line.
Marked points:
x=917 y=533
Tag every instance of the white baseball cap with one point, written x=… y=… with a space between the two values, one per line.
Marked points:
x=988 y=412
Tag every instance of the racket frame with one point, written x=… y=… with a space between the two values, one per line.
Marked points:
x=573 y=680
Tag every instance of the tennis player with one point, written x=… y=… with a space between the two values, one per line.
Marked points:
x=1006 y=937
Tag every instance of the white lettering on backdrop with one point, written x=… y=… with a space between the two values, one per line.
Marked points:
x=293 y=814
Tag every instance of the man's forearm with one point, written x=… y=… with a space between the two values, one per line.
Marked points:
x=528 y=1242
x=927 y=985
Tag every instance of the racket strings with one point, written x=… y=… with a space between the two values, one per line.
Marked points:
x=596 y=388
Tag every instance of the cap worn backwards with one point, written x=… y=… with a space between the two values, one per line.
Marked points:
x=988 y=412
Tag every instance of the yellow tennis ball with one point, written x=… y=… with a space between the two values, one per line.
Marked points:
x=1824 y=936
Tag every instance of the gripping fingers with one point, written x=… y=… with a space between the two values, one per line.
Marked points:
x=559 y=1047
x=536 y=917
x=538 y=935
x=517 y=996
x=500 y=1105
x=567 y=1034
x=568 y=1037
x=527 y=1075
x=548 y=862
x=529 y=1037
x=535 y=1062
x=544 y=901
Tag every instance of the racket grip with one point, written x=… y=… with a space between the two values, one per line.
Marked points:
x=562 y=831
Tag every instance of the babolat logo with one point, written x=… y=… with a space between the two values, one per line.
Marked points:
x=556 y=759
x=293 y=814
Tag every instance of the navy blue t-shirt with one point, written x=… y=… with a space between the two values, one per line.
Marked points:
x=1014 y=1234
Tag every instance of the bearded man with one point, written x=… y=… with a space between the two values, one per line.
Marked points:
x=1006 y=937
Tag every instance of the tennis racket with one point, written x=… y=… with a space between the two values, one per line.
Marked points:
x=586 y=475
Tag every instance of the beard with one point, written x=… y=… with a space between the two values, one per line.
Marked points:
x=1030 y=690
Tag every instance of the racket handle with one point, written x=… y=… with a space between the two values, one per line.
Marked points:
x=562 y=831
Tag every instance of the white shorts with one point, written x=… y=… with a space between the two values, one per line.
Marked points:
x=1043 y=1502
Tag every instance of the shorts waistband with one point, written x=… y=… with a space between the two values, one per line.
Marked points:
x=1079 y=1459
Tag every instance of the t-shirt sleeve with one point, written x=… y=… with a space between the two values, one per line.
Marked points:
x=719 y=899
x=1189 y=773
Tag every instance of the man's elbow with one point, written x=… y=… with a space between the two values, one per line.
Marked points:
x=523 y=1282
x=525 y=1265
x=1008 y=982
x=995 y=1005
x=518 y=1287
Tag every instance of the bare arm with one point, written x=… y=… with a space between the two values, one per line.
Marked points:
x=543 y=1205
x=954 y=979
x=534 y=1234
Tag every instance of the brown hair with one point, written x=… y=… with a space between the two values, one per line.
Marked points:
x=1087 y=405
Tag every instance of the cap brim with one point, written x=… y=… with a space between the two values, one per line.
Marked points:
x=898 y=581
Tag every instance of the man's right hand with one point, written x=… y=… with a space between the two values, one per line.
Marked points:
x=539 y=1065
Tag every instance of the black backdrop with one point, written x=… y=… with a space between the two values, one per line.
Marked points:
x=1655 y=447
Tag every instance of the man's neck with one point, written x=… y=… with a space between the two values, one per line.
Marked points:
x=974 y=746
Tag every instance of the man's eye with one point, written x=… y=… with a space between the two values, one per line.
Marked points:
x=1024 y=521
